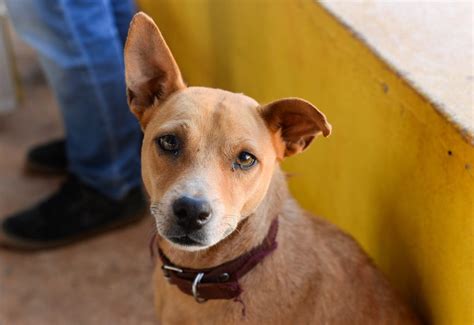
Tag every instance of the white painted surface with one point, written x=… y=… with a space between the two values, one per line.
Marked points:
x=429 y=43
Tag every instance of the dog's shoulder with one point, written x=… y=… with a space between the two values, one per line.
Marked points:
x=338 y=255
x=345 y=272
x=320 y=238
x=336 y=242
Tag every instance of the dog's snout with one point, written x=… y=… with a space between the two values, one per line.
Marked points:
x=191 y=213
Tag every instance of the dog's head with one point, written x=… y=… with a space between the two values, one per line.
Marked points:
x=208 y=155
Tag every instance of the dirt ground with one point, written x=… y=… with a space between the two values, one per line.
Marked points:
x=104 y=280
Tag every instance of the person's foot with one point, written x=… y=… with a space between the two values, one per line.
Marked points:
x=72 y=213
x=47 y=158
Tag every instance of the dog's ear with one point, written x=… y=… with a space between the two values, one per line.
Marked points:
x=151 y=73
x=295 y=122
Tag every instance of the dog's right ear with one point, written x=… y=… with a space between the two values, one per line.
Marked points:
x=296 y=122
x=151 y=73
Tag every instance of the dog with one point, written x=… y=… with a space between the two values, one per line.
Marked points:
x=234 y=246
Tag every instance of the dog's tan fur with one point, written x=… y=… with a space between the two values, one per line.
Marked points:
x=318 y=274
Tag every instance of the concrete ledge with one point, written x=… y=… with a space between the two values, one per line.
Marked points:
x=430 y=44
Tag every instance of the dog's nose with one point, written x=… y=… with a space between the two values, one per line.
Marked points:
x=191 y=213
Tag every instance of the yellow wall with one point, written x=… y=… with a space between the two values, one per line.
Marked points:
x=395 y=174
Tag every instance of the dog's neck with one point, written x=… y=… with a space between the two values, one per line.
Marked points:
x=249 y=234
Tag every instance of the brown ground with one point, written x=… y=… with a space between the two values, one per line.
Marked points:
x=105 y=280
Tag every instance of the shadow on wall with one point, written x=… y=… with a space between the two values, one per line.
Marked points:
x=396 y=253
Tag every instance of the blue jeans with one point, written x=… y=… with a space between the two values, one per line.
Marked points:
x=80 y=45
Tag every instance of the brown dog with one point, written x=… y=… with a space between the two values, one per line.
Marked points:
x=228 y=230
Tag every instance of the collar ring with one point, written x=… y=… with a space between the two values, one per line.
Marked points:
x=194 y=288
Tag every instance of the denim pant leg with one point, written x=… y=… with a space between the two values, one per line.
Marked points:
x=80 y=44
x=123 y=11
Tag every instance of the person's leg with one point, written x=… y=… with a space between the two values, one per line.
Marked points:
x=123 y=11
x=80 y=44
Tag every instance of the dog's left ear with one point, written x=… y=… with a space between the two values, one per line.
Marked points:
x=151 y=73
x=296 y=122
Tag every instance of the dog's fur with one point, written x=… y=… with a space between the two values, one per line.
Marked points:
x=317 y=275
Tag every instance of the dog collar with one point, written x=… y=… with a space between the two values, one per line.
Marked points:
x=222 y=281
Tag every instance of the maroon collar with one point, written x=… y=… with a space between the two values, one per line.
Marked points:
x=222 y=281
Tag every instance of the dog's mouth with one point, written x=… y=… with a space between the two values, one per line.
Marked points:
x=184 y=241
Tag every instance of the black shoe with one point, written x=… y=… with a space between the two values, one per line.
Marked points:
x=74 y=212
x=48 y=158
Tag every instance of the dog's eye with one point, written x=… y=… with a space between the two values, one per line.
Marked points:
x=169 y=143
x=245 y=160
